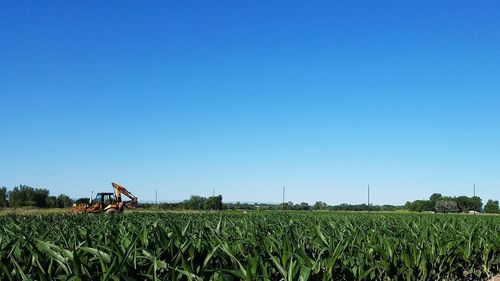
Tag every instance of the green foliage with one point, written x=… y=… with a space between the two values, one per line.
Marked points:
x=446 y=204
x=421 y=206
x=26 y=196
x=197 y=203
x=83 y=200
x=435 y=197
x=3 y=197
x=63 y=201
x=302 y=206
x=51 y=202
x=491 y=207
x=475 y=204
x=319 y=205
x=466 y=204
x=213 y=203
x=253 y=246
x=23 y=195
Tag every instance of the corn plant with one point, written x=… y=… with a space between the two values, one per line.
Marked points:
x=253 y=246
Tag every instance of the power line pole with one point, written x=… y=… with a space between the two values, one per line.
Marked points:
x=474 y=193
x=156 y=196
x=213 y=191
x=368 y=198
x=283 y=204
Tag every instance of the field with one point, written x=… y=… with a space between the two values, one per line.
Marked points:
x=253 y=246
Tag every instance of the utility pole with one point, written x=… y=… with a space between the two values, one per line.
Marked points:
x=213 y=191
x=283 y=205
x=156 y=196
x=474 y=194
x=368 y=198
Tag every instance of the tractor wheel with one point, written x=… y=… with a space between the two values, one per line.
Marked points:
x=111 y=211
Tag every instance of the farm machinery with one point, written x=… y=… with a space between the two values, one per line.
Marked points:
x=108 y=202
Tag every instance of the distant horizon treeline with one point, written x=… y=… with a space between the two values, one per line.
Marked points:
x=447 y=204
x=437 y=203
x=195 y=202
x=26 y=196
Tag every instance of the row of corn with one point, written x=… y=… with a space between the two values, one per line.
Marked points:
x=253 y=246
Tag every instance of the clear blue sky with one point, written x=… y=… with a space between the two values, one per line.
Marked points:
x=248 y=96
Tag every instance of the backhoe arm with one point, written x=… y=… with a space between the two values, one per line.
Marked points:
x=132 y=203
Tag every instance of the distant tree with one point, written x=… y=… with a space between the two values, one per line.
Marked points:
x=40 y=197
x=194 y=203
x=491 y=207
x=64 y=201
x=466 y=204
x=21 y=196
x=83 y=200
x=462 y=203
x=319 y=205
x=213 y=203
x=432 y=201
x=407 y=205
x=476 y=204
x=288 y=205
x=436 y=197
x=388 y=207
x=51 y=202
x=447 y=206
x=3 y=197
x=302 y=206
x=420 y=205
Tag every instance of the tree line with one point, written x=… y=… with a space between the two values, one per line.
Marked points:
x=215 y=203
x=304 y=206
x=195 y=202
x=27 y=196
x=447 y=204
x=436 y=203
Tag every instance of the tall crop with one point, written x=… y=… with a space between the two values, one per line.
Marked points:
x=254 y=246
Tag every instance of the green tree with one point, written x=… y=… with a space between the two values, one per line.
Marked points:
x=3 y=197
x=83 y=200
x=213 y=203
x=288 y=205
x=40 y=197
x=433 y=200
x=51 y=202
x=302 y=206
x=436 y=197
x=491 y=207
x=24 y=195
x=319 y=205
x=21 y=196
x=476 y=203
x=64 y=201
x=420 y=205
x=194 y=203
x=462 y=203
x=447 y=206
x=466 y=204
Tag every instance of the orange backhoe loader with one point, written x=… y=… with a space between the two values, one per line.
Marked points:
x=107 y=202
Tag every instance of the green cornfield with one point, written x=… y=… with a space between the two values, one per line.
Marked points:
x=254 y=246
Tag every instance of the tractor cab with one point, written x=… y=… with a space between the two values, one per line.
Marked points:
x=104 y=198
x=103 y=202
